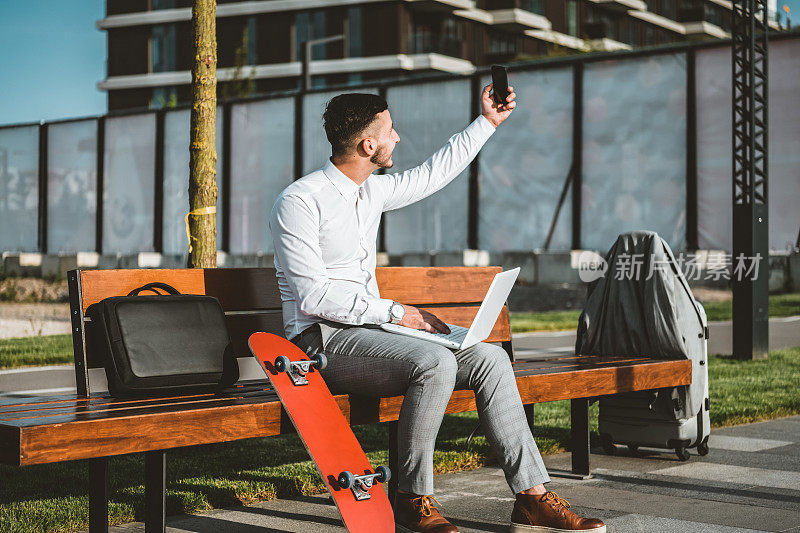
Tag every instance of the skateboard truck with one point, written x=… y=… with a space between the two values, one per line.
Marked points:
x=360 y=485
x=297 y=370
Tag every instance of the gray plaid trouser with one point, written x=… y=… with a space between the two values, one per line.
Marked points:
x=369 y=361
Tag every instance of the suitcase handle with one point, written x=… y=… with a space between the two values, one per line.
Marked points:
x=153 y=286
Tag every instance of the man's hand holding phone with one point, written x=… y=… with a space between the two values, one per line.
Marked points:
x=494 y=112
x=496 y=108
x=422 y=319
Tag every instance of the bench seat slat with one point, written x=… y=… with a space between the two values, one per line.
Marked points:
x=12 y=404
x=89 y=415
x=538 y=388
x=157 y=431
x=525 y=368
x=174 y=426
x=93 y=409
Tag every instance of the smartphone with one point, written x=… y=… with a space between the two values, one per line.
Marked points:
x=499 y=84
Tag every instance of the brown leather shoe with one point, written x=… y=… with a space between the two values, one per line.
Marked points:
x=414 y=513
x=549 y=514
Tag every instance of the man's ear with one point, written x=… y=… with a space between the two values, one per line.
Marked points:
x=369 y=145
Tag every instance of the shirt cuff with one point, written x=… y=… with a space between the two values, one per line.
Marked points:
x=380 y=311
x=482 y=127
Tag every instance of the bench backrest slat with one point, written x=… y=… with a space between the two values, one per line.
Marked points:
x=432 y=285
x=251 y=298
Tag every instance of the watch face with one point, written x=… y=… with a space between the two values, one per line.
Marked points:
x=397 y=311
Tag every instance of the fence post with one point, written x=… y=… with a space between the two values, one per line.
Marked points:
x=691 y=152
x=101 y=148
x=577 y=153
x=42 y=207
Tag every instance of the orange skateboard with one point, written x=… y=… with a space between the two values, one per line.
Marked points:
x=326 y=434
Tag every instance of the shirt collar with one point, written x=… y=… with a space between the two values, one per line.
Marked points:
x=346 y=187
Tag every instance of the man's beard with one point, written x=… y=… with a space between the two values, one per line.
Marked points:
x=381 y=159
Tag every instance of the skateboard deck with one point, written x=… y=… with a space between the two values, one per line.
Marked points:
x=326 y=434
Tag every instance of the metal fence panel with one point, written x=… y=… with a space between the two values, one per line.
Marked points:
x=262 y=165
x=525 y=163
x=425 y=116
x=129 y=184
x=634 y=151
x=71 y=186
x=714 y=146
x=784 y=144
x=19 y=189
x=176 y=180
x=714 y=137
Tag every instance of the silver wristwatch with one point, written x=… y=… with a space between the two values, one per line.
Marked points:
x=396 y=312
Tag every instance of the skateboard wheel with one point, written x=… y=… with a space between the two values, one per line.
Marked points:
x=320 y=361
x=384 y=474
x=282 y=363
x=346 y=479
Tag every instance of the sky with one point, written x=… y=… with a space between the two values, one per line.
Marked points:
x=54 y=57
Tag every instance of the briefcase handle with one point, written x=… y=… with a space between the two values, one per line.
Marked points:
x=153 y=286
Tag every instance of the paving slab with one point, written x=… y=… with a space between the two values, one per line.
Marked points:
x=744 y=485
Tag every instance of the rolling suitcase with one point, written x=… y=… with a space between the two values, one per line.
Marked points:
x=629 y=419
x=654 y=317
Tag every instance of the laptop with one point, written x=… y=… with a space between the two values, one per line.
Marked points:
x=460 y=337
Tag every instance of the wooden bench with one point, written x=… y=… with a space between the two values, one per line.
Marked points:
x=93 y=426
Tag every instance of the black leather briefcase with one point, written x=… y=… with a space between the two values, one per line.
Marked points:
x=163 y=344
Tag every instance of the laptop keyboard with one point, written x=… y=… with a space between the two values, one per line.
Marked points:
x=457 y=333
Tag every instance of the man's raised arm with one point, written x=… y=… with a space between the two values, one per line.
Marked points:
x=404 y=188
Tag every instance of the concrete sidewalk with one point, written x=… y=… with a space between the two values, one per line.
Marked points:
x=749 y=482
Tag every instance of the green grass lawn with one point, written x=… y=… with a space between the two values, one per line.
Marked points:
x=57 y=349
x=33 y=351
x=53 y=497
x=779 y=305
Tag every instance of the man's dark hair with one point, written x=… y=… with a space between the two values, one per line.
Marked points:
x=346 y=116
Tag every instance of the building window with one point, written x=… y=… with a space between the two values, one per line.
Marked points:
x=649 y=35
x=668 y=9
x=162 y=48
x=502 y=43
x=432 y=33
x=572 y=17
x=626 y=31
x=534 y=6
x=249 y=40
x=162 y=4
x=308 y=26
x=355 y=44
x=452 y=37
x=610 y=26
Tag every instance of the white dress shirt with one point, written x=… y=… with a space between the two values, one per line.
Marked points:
x=325 y=227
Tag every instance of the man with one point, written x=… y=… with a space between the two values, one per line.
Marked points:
x=324 y=227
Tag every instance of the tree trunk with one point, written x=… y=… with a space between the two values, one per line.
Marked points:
x=202 y=149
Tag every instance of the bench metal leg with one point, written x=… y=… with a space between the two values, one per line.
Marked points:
x=393 y=461
x=579 y=415
x=155 y=485
x=98 y=495
x=529 y=415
